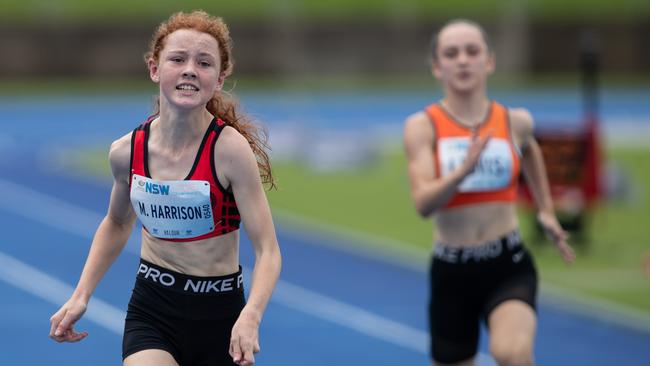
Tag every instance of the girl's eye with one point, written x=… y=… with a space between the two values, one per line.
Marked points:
x=205 y=64
x=473 y=51
x=451 y=52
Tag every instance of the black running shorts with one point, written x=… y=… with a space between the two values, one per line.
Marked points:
x=467 y=283
x=190 y=317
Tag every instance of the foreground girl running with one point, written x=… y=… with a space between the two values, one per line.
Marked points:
x=190 y=173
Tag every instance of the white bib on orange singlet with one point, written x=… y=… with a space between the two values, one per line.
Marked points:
x=493 y=170
x=177 y=209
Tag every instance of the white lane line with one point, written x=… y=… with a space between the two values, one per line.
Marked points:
x=46 y=287
x=64 y=216
x=48 y=210
x=566 y=300
x=600 y=309
x=349 y=316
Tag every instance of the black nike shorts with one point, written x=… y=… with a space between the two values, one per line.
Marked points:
x=188 y=316
x=467 y=283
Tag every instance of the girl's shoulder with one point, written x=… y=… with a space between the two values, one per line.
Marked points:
x=520 y=115
x=418 y=128
x=232 y=140
x=119 y=157
x=521 y=121
x=232 y=148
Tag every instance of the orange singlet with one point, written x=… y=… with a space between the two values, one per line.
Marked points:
x=495 y=176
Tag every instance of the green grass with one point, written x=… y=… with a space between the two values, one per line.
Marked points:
x=610 y=262
x=312 y=84
x=376 y=200
x=373 y=200
x=297 y=11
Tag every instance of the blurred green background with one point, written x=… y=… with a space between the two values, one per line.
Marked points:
x=73 y=47
x=292 y=43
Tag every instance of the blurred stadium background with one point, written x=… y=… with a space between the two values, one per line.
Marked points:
x=333 y=82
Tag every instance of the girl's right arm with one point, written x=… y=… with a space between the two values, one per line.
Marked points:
x=108 y=242
x=428 y=192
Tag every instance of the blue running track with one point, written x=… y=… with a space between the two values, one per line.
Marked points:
x=333 y=306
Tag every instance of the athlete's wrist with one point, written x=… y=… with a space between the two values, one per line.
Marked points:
x=251 y=315
x=82 y=296
x=546 y=212
x=463 y=171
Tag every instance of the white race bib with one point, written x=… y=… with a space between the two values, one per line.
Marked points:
x=172 y=209
x=493 y=170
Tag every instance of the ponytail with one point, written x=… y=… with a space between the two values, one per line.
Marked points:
x=225 y=106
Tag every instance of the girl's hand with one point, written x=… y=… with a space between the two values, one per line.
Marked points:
x=474 y=151
x=62 y=322
x=555 y=232
x=244 y=340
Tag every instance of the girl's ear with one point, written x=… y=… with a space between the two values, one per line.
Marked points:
x=153 y=70
x=491 y=63
x=220 y=81
x=435 y=70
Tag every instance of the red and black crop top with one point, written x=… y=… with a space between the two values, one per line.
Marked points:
x=165 y=210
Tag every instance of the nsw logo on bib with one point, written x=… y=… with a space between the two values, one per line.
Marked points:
x=493 y=170
x=172 y=209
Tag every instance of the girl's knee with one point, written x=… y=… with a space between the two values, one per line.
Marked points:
x=516 y=351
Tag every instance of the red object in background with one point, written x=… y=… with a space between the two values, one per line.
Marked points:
x=592 y=180
x=573 y=165
x=573 y=158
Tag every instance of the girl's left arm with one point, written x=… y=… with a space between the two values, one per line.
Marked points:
x=534 y=169
x=239 y=166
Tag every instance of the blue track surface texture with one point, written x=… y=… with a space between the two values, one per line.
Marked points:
x=332 y=306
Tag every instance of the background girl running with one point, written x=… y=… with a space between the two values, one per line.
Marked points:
x=464 y=157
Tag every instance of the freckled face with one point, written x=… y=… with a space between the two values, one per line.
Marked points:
x=463 y=60
x=188 y=69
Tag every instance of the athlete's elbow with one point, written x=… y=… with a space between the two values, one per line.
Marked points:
x=270 y=261
x=423 y=209
x=115 y=224
x=270 y=253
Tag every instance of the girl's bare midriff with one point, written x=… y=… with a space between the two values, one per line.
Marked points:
x=489 y=221
x=216 y=256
